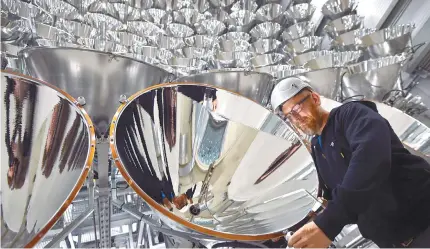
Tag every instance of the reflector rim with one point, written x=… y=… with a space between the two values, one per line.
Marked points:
x=88 y=162
x=147 y=198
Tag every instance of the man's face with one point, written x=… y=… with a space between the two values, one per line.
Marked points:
x=302 y=111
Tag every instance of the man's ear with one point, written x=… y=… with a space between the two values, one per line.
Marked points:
x=316 y=98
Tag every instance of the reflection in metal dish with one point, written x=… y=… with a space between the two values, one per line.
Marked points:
x=343 y=25
x=230 y=187
x=374 y=79
x=101 y=78
x=325 y=81
x=389 y=41
x=253 y=85
x=335 y=59
x=46 y=154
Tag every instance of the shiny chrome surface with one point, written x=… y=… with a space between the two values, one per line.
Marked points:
x=271 y=12
x=241 y=21
x=302 y=59
x=288 y=72
x=263 y=46
x=47 y=150
x=200 y=41
x=253 y=85
x=343 y=24
x=335 y=59
x=266 y=30
x=267 y=59
x=374 y=79
x=303 y=45
x=325 y=81
x=233 y=60
x=100 y=78
x=210 y=27
x=273 y=69
x=334 y=9
x=236 y=36
x=218 y=174
x=413 y=134
x=390 y=41
x=233 y=45
x=300 y=12
x=297 y=31
x=351 y=40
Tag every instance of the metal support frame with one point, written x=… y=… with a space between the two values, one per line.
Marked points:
x=159 y=227
x=140 y=234
x=68 y=229
x=130 y=236
x=104 y=200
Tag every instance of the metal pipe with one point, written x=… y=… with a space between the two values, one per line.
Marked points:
x=130 y=236
x=359 y=240
x=145 y=235
x=140 y=235
x=91 y=198
x=161 y=228
x=68 y=229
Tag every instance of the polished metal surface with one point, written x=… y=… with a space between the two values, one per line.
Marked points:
x=288 y=72
x=253 y=85
x=325 y=81
x=413 y=134
x=374 y=79
x=47 y=150
x=303 y=45
x=263 y=60
x=351 y=39
x=335 y=59
x=271 y=12
x=334 y=9
x=241 y=21
x=300 y=12
x=273 y=69
x=343 y=24
x=263 y=46
x=389 y=41
x=205 y=166
x=266 y=30
x=100 y=78
x=302 y=59
x=298 y=30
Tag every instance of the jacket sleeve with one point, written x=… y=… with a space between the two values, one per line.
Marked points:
x=369 y=137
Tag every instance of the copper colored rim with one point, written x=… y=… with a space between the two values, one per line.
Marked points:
x=88 y=163
x=153 y=203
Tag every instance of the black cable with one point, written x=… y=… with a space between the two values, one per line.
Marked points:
x=354 y=96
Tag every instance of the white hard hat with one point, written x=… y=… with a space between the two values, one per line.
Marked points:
x=285 y=90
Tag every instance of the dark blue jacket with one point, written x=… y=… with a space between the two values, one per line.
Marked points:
x=369 y=178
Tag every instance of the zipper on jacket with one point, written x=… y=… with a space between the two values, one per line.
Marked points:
x=320 y=143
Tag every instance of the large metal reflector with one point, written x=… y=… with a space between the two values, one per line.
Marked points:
x=214 y=162
x=101 y=78
x=47 y=148
x=253 y=85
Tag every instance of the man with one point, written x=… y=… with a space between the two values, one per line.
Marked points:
x=365 y=173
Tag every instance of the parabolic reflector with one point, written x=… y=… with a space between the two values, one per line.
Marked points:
x=214 y=162
x=101 y=78
x=256 y=86
x=47 y=149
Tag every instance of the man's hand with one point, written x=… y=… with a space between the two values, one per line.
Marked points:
x=309 y=236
